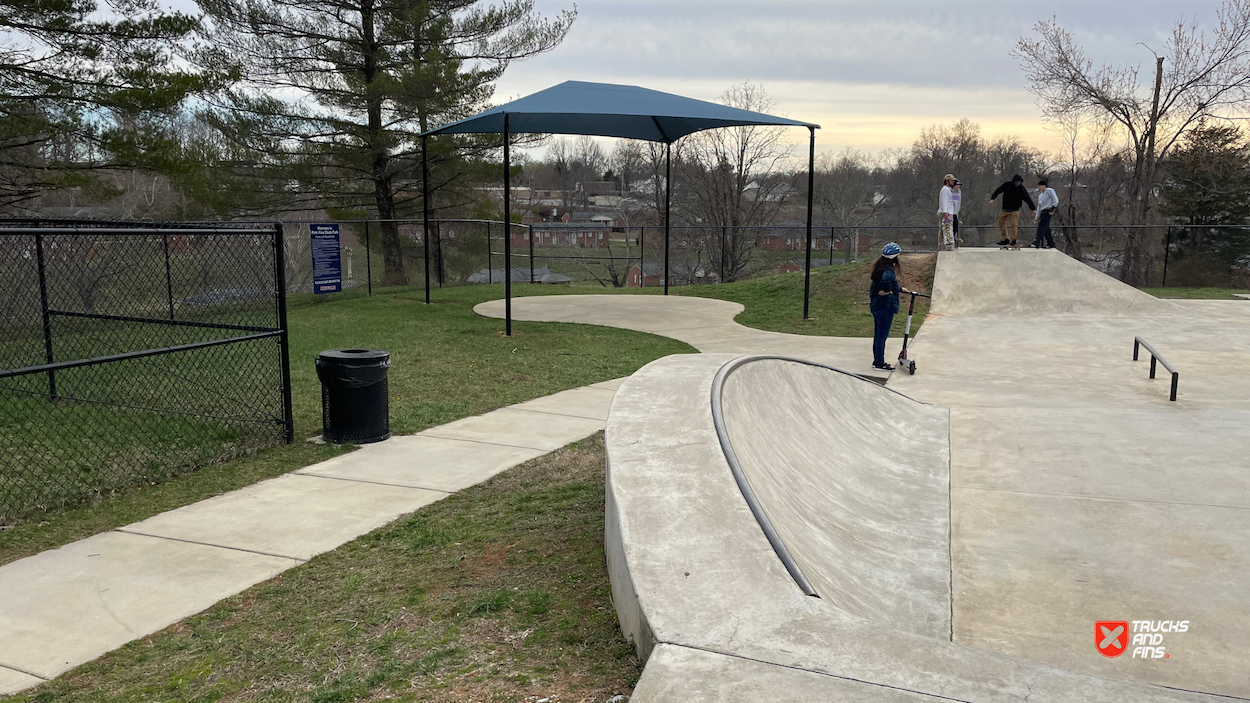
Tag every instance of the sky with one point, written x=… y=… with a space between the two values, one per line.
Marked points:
x=872 y=74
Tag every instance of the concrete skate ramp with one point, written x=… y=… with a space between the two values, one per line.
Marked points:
x=701 y=591
x=1028 y=282
x=854 y=480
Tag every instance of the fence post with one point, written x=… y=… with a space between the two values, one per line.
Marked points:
x=490 y=260
x=284 y=344
x=47 y=320
x=368 y=260
x=531 y=232
x=642 y=256
x=723 y=231
x=169 y=284
x=438 y=250
x=1167 y=251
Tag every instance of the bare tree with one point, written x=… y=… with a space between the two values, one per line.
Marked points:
x=1088 y=142
x=575 y=161
x=653 y=167
x=1198 y=76
x=846 y=187
x=628 y=161
x=734 y=176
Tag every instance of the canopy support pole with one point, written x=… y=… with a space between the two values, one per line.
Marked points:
x=642 y=256
x=811 y=186
x=507 y=230
x=668 y=191
x=425 y=210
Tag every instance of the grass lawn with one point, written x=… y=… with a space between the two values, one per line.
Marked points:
x=1210 y=293
x=447 y=363
x=839 y=298
x=496 y=593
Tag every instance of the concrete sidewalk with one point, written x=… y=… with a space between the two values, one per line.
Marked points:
x=67 y=606
x=706 y=324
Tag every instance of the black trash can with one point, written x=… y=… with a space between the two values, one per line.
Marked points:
x=354 y=406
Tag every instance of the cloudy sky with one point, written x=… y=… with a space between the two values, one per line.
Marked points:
x=872 y=74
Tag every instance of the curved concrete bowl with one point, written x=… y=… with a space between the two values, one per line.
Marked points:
x=851 y=480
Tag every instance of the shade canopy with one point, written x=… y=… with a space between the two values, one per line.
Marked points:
x=607 y=110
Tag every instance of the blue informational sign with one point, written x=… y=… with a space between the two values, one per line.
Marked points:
x=327 y=267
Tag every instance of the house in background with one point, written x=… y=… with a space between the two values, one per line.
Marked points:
x=579 y=230
x=645 y=276
x=683 y=274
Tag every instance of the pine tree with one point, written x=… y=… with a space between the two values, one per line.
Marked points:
x=336 y=91
x=79 y=93
x=1208 y=184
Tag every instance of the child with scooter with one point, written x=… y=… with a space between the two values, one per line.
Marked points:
x=883 y=302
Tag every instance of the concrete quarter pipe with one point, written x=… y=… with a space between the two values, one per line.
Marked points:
x=960 y=554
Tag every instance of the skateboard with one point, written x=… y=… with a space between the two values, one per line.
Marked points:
x=1015 y=247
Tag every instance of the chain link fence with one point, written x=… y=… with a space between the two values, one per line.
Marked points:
x=466 y=252
x=609 y=254
x=131 y=352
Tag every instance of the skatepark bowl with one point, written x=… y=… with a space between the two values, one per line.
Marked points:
x=786 y=531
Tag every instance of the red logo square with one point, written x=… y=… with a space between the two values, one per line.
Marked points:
x=1111 y=637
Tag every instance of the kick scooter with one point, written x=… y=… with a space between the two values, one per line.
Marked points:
x=902 y=356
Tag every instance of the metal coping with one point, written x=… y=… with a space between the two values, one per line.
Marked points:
x=722 y=434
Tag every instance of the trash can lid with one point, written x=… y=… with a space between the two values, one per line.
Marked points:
x=357 y=355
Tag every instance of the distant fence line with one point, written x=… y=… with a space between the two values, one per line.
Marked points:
x=471 y=251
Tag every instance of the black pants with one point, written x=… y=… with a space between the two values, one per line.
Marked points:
x=1043 y=230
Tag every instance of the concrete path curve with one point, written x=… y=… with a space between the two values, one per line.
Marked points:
x=67 y=606
x=706 y=324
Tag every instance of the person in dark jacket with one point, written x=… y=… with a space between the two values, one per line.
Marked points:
x=1014 y=195
x=883 y=301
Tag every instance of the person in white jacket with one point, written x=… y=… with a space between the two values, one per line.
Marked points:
x=946 y=213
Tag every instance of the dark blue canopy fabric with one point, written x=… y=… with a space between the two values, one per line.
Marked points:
x=606 y=110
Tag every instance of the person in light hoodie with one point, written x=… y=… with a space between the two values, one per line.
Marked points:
x=956 y=200
x=947 y=211
x=1047 y=204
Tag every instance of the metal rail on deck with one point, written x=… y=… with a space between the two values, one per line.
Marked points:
x=1138 y=342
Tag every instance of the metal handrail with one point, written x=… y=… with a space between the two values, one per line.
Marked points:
x=1138 y=342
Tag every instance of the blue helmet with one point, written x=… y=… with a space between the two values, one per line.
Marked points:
x=891 y=250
